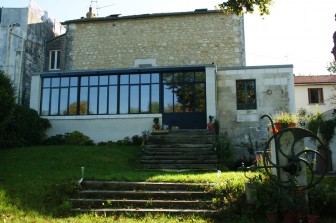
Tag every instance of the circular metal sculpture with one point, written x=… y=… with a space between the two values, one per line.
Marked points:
x=292 y=164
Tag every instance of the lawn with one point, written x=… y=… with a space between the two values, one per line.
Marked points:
x=30 y=179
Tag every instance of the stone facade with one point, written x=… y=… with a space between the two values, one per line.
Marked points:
x=274 y=92
x=172 y=39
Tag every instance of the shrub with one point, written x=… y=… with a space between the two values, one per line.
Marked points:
x=58 y=139
x=77 y=138
x=225 y=152
x=136 y=140
x=7 y=102
x=25 y=128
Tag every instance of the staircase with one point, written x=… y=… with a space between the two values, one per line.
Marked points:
x=111 y=197
x=180 y=150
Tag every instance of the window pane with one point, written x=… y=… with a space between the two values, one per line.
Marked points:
x=93 y=100
x=168 y=99
x=55 y=82
x=74 y=81
x=83 y=101
x=189 y=98
x=123 y=99
x=179 y=99
x=124 y=79
x=93 y=80
x=145 y=78
x=64 y=101
x=103 y=100
x=189 y=77
x=200 y=76
x=134 y=99
x=65 y=81
x=54 y=101
x=73 y=101
x=314 y=96
x=103 y=80
x=46 y=82
x=113 y=100
x=145 y=103
x=58 y=59
x=246 y=94
x=84 y=81
x=134 y=79
x=52 y=60
x=113 y=80
x=45 y=101
x=155 y=78
x=167 y=78
x=155 y=105
x=178 y=78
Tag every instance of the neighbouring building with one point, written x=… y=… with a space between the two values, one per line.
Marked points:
x=109 y=77
x=23 y=32
x=315 y=90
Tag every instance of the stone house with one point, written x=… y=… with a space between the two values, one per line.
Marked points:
x=23 y=32
x=315 y=90
x=109 y=77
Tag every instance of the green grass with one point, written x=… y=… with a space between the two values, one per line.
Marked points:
x=30 y=179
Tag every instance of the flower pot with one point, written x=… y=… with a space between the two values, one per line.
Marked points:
x=289 y=218
x=211 y=127
x=279 y=126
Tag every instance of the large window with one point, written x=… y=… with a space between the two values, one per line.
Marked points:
x=183 y=92
x=315 y=95
x=104 y=94
x=246 y=94
x=54 y=59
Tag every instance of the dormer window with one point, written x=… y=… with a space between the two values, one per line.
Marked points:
x=54 y=59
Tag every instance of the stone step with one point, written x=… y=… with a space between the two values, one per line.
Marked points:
x=132 y=194
x=180 y=166
x=181 y=156
x=121 y=185
x=141 y=203
x=173 y=162
x=109 y=211
x=184 y=146
x=173 y=153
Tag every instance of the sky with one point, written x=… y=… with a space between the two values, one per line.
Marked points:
x=297 y=32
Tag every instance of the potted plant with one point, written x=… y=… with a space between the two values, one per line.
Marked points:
x=211 y=124
x=156 y=125
x=284 y=120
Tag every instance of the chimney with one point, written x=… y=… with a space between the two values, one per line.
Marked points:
x=90 y=14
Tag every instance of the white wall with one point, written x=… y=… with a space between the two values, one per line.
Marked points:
x=301 y=97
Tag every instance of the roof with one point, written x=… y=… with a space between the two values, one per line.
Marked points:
x=315 y=79
x=118 y=17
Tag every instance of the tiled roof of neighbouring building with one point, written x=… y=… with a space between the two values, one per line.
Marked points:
x=315 y=79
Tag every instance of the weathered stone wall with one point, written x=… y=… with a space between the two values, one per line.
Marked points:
x=170 y=40
x=274 y=92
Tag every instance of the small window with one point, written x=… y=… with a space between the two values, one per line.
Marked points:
x=246 y=94
x=54 y=59
x=315 y=95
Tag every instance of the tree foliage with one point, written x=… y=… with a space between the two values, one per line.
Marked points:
x=240 y=7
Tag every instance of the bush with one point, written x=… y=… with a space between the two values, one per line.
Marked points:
x=77 y=138
x=7 y=102
x=225 y=152
x=25 y=128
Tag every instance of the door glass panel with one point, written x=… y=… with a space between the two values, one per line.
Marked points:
x=189 y=98
x=189 y=77
x=199 y=77
x=167 y=99
x=178 y=99
x=200 y=98
x=167 y=78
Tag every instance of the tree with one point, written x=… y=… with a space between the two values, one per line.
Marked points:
x=240 y=7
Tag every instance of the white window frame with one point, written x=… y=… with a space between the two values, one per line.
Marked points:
x=53 y=65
